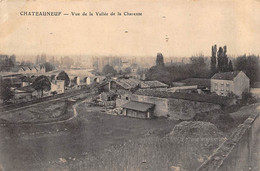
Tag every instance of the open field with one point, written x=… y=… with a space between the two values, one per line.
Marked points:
x=46 y=111
x=98 y=141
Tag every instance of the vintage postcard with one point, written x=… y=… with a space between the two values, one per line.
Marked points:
x=119 y=85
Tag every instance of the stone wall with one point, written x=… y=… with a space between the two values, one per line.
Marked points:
x=185 y=109
x=241 y=151
x=175 y=108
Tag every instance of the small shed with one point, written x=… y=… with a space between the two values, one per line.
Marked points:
x=138 y=109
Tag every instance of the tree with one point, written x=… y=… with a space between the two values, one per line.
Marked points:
x=128 y=70
x=48 y=66
x=230 y=66
x=197 y=68
x=225 y=59
x=159 y=60
x=241 y=63
x=222 y=59
x=5 y=91
x=64 y=76
x=250 y=65
x=160 y=74
x=41 y=83
x=109 y=70
x=253 y=70
x=213 y=64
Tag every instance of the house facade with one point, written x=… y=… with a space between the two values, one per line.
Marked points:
x=58 y=86
x=230 y=82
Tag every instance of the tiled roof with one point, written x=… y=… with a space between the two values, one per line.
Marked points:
x=196 y=81
x=133 y=83
x=154 y=84
x=138 y=106
x=128 y=83
x=225 y=75
x=221 y=100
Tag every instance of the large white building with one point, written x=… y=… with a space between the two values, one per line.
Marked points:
x=230 y=82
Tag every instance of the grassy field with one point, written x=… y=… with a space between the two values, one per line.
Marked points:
x=41 y=112
x=99 y=141
x=122 y=143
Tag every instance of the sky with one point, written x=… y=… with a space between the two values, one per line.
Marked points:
x=191 y=26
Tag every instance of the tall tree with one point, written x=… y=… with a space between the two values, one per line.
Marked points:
x=213 y=64
x=5 y=91
x=41 y=83
x=64 y=76
x=241 y=63
x=159 y=60
x=250 y=65
x=230 y=66
x=225 y=59
x=220 y=59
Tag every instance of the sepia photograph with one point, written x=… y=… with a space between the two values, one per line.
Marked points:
x=119 y=85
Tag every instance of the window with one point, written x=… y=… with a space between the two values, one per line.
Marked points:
x=216 y=86
x=222 y=87
x=227 y=87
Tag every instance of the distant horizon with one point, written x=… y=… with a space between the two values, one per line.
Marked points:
x=20 y=57
x=175 y=28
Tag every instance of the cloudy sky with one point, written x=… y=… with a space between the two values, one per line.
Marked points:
x=192 y=27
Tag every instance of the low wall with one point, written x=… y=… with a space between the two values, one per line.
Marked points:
x=175 y=108
x=241 y=151
x=186 y=109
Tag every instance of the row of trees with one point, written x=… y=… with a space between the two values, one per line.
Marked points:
x=109 y=70
x=167 y=74
x=219 y=60
x=198 y=68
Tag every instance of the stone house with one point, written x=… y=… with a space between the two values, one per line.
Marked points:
x=58 y=86
x=230 y=82
x=138 y=109
x=123 y=97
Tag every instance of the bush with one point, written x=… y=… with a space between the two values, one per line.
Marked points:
x=232 y=95
x=247 y=98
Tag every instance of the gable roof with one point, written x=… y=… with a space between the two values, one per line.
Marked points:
x=221 y=100
x=196 y=81
x=154 y=84
x=138 y=106
x=225 y=75
x=132 y=83
x=127 y=83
